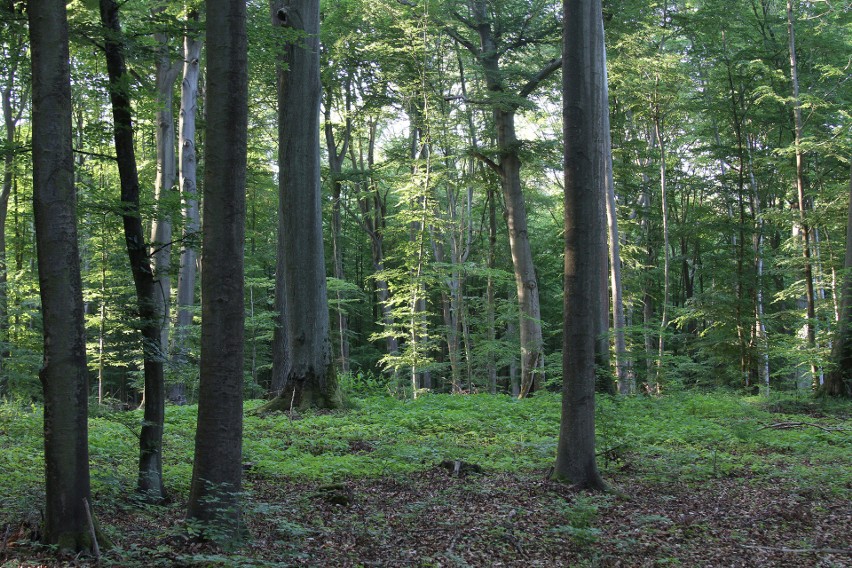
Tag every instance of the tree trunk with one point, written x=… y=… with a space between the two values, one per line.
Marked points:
x=307 y=377
x=187 y=272
x=161 y=225
x=664 y=322
x=583 y=110
x=623 y=365
x=491 y=297
x=64 y=375
x=151 y=438
x=217 y=470
x=800 y=185
x=839 y=381
x=335 y=166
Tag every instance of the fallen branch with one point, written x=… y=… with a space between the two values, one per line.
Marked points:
x=789 y=425
x=799 y=550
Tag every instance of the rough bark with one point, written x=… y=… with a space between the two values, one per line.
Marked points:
x=217 y=470
x=64 y=376
x=150 y=482
x=583 y=120
x=306 y=377
x=188 y=175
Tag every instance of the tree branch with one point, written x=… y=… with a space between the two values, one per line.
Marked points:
x=546 y=72
x=488 y=162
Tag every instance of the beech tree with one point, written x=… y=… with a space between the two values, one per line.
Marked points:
x=217 y=469
x=584 y=106
x=64 y=375
x=303 y=371
x=150 y=482
x=495 y=40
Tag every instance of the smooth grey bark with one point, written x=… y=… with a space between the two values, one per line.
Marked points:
x=583 y=121
x=64 y=375
x=335 y=165
x=664 y=322
x=800 y=184
x=166 y=73
x=626 y=380
x=150 y=483
x=217 y=470
x=303 y=371
x=191 y=213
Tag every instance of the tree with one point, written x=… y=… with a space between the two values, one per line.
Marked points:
x=64 y=375
x=583 y=114
x=214 y=496
x=166 y=73
x=13 y=93
x=492 y=44
x=188 y=171
x=303 y=371
x=150 y=482
x=839 y=381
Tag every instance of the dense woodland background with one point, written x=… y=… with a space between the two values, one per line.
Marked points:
x=376 y=189
x=704 y=161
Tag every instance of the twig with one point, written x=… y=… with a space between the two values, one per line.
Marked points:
x=97 y=549
x=800 y=550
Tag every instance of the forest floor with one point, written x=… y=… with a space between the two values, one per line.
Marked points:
x=774 y=493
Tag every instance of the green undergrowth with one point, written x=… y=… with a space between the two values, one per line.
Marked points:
x=679 y=438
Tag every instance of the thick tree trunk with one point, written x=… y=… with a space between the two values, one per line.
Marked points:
x=583 y=119
x=188 y=174
x=151 y=438
x=64 y=376
x=217 y=470
x=307 y=377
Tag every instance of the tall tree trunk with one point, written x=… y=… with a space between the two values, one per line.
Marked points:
x=192 y=223
x=800 y=185
x=838 y=382
x=307 y=377
x=582 y=81
x=161 y=225
x=150 y=482
x=623 y=364
x=217 y=470
x=335 y=166
x=491 y=296
x=508 y=167
x=64 y=375
x=664 y=322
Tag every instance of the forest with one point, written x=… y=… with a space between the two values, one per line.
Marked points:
x=426 y=283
